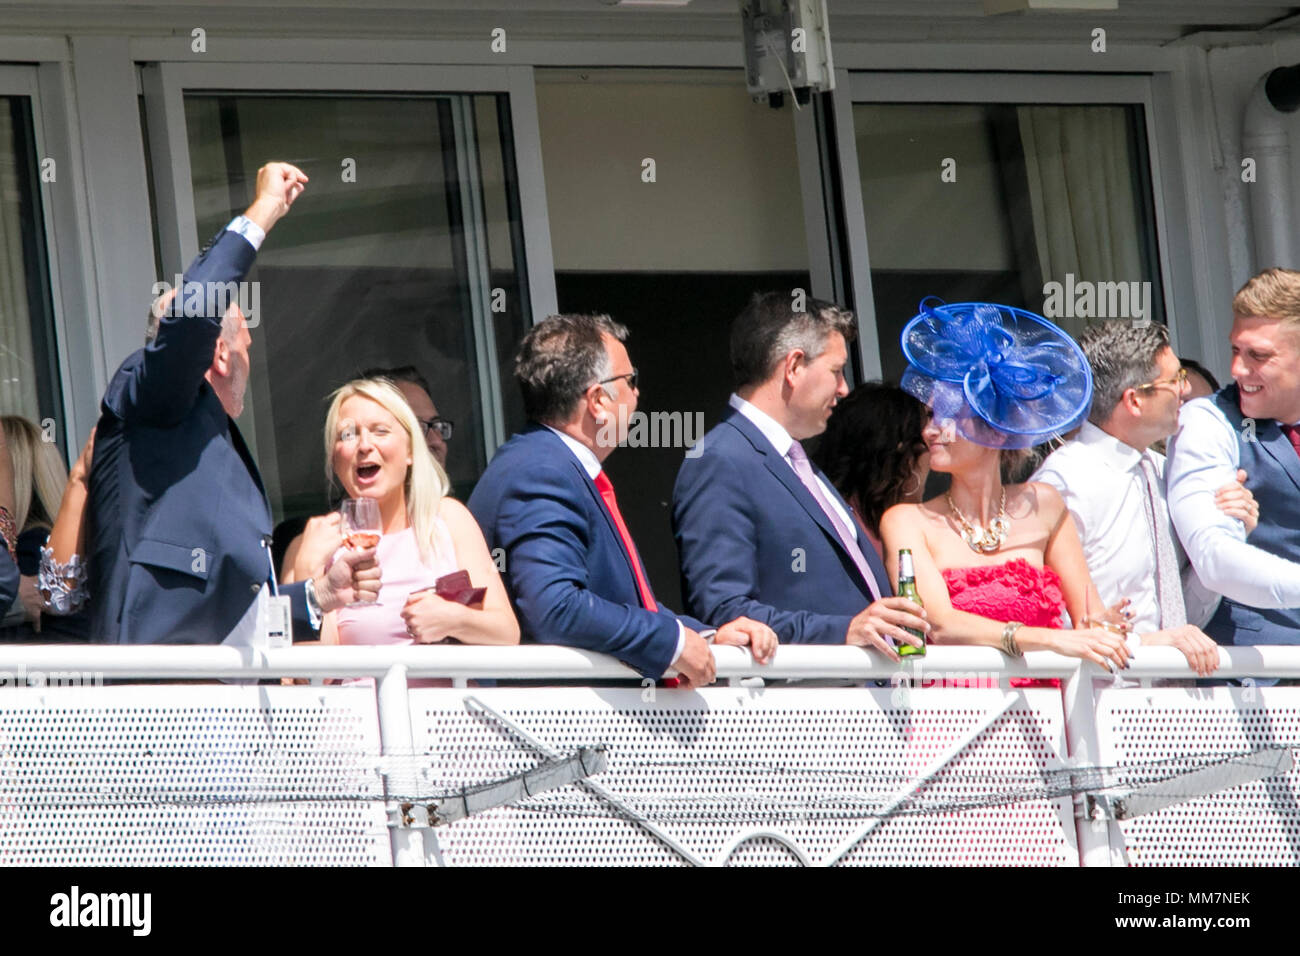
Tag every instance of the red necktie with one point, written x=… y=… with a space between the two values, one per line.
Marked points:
x=1293 y=433
x=606 y=490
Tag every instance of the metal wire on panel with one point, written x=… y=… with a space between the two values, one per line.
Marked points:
x=166 y=776
x=818 y=765
x=205 y=775
x=1255 y=824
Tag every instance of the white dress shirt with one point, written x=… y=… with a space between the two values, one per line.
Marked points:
x=1203 y=457
x=781 y=440
x=591 y=465
x=249 y=230
x=1101 y=480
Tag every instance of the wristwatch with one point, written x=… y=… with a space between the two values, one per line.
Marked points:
x=314 y=612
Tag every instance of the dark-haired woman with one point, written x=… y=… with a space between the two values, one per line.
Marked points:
x=874 y=453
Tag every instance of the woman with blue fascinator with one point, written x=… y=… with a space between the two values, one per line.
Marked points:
x=997 y=564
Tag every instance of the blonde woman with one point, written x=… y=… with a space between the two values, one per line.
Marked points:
x=375 y=449
x=39 y=483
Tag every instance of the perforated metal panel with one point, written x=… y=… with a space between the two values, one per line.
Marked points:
x=801 y=768
x=190 y=775
x=1255 y=824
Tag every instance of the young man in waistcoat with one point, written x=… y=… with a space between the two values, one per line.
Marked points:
x=1249 y=424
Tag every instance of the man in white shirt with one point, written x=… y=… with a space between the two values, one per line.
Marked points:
x=1113 y=483
x=1249 y=424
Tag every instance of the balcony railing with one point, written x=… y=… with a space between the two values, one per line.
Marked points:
x=828 y=755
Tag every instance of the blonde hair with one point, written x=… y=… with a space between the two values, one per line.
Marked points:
x=38 y=468
x=426 y=483
x=1274 y=294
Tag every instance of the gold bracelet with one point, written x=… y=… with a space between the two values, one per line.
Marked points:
x=1009 y=645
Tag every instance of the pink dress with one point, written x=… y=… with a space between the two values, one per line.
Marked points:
x=1014 y=591
x=403 y=572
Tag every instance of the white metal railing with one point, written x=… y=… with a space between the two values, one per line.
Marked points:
x=392 y=667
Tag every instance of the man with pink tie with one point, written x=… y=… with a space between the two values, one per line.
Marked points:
x=759 y=529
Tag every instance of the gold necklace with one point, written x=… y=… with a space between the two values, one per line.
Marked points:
x=979 y=539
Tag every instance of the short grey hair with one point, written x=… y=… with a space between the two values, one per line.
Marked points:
x=771 y=328
x=559 y=359
x=1122 y=355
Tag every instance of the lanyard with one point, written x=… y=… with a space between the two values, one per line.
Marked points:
x=270 y=560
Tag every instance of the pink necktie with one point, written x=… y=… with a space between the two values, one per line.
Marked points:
x=803 y=468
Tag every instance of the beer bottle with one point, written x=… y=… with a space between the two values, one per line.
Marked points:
x=907 y=589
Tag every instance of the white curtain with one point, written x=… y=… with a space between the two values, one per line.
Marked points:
x=17 y=378
x=1082 y=195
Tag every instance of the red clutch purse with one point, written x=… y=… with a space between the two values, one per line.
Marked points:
x=456 y=587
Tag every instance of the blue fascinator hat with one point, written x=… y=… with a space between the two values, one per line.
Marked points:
x=1005 y=377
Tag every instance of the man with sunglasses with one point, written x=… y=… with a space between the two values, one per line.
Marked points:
x=1249 y=424
x=547 y=507
x=1112 y=481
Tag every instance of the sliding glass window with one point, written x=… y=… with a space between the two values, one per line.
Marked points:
x=404 y=250
x=29 y=367
x=1045 y=206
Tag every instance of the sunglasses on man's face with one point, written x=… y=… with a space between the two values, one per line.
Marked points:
x=1178 y=381
x=631 y=377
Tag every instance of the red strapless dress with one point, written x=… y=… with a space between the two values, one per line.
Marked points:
x=1014 y=591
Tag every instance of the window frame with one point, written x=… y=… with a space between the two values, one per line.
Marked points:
x=165 y=85
x=1173 y=258
x=71 y=352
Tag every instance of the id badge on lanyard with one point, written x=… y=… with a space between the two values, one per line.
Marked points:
x=275 y=613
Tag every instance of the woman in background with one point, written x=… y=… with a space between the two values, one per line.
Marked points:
x=1200 y=380
x=39 y=484
x=873 y=452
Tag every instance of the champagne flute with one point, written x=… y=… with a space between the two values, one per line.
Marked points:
x=362 y=528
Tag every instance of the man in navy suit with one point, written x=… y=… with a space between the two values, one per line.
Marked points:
x=571 y=566
x=759 y=529
x=178 y=524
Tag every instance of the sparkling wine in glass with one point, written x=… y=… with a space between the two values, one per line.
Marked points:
x=361 y=528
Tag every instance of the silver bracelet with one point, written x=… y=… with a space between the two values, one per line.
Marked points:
x=62 y=586
x=1009 y=645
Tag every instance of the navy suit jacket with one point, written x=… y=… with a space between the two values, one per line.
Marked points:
x=570 y=578
x=754 y=541
x=179 y=527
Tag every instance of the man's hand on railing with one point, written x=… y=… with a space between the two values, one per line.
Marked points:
x=743 y=631
x=1201 y=651
x=695 y=665
x=352 y=576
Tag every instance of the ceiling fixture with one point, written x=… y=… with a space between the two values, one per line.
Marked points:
x=1059 y=6
x=787 y=50
x=645 y=3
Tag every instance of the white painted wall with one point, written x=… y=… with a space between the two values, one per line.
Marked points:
x=726 y=191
